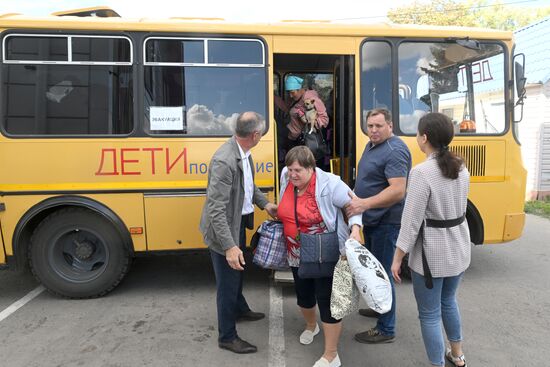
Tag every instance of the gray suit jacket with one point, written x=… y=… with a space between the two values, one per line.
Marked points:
x=222 y=211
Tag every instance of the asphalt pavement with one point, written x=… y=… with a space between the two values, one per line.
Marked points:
x=164 y=314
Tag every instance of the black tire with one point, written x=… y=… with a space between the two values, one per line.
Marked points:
x=77 y=253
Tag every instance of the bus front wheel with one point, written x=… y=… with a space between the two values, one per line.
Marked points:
x=77 y=253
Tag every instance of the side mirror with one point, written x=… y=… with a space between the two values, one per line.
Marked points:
x=520 y=81
x=520 y=78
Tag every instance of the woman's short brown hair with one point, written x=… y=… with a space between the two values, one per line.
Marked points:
x=302 y=155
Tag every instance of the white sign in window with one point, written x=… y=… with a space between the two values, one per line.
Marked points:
x=166 y=118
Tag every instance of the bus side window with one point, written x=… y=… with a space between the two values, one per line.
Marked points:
x=376 y=78
x=206 y=94
x=54 y=94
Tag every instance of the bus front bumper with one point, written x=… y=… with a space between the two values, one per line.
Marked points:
x=513 y=226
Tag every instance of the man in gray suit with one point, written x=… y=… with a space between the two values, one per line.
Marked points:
x=228 y=210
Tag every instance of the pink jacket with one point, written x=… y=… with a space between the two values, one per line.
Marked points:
x=296 y=126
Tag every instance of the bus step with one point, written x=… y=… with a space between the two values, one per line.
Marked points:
x=283 y=276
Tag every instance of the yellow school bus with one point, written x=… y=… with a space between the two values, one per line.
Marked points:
x=108 y=125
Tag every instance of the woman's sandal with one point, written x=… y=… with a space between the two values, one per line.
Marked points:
x=454 y=359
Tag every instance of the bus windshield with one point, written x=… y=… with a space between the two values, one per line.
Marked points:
x=467 y=83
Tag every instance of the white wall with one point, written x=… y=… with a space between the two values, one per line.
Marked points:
x=536 y=112
x=544 y=144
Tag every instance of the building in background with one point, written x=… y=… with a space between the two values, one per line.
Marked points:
x=534 y=129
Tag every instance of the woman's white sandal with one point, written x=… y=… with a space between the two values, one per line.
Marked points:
x=307 y=335
x=323 y=362
x=454 y=359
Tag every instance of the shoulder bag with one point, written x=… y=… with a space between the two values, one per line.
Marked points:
x=315 y=142
x=319 y=252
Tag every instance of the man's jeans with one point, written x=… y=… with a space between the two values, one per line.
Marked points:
x=229 y=297
x=380 y=241
x=435 y=305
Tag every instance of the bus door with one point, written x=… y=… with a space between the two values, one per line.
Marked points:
x=343 y=158
x=334 y=85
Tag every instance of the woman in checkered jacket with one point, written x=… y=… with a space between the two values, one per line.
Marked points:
x=435 y=234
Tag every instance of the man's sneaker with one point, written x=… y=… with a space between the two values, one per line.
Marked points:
x=367 y=312
x=373 y=336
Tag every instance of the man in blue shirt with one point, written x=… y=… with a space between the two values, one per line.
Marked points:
x=380 y=195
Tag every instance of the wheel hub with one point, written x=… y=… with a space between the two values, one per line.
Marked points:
x=83 y=250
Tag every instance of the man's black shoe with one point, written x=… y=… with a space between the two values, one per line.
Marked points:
x=239 y=346
x=373 y=336
x=250 y=316
x=367 y=312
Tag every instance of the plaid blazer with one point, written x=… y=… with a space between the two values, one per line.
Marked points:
x=430 y=195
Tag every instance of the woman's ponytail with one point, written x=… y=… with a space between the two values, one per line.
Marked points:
x=439 y=131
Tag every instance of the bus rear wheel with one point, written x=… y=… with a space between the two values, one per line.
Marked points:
x=77 y=253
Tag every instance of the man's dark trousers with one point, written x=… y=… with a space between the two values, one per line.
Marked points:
x=380 y=241
x=229 y=285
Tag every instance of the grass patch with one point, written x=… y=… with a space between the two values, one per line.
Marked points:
x=538 y=207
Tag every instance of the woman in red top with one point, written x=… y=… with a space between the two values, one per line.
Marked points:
x=309 y=217
x=319 y=199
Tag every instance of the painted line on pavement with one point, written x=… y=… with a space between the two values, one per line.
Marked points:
x=21 y=302
x=276 y=353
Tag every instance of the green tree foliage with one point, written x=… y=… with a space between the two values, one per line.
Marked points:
x=469 y=13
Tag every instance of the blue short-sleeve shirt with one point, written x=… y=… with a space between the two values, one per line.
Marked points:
x=378 y=163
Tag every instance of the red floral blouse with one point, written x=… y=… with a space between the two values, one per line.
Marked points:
x=309 y=217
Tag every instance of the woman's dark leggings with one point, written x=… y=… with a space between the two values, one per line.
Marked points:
x=310 y=292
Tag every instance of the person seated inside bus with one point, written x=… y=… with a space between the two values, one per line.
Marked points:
x=299 y=113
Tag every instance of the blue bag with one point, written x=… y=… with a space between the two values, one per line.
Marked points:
x=319 y=252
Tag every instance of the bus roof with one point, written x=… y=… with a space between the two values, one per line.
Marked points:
x=95 y=11
x=208 y=25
